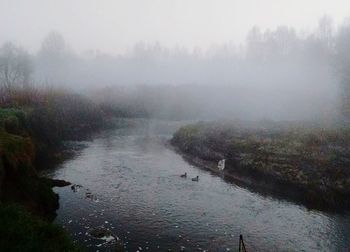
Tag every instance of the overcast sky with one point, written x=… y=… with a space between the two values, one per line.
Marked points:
x=115 y=25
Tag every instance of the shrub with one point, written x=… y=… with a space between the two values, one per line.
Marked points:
x=21 y=231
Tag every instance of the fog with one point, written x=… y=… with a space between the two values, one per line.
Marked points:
x=262 y=70
x=114 y=26
x=277 y=74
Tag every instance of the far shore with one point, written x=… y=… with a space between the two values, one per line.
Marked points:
x=280 y=161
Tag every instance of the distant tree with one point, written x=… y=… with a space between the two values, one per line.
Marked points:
x=15 y=67
x=268 y=46
x=325 y=32
x=53 y=46
x=342 y=59
x=255 y=44
x=54 y=60
x=285 y=41
x=342 y=46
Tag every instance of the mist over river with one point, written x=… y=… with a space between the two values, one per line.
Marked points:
x=133 y=178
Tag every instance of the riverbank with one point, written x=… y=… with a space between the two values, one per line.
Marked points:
x=33 y=127
x=303 y=162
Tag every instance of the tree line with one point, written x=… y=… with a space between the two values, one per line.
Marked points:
x=278 y=57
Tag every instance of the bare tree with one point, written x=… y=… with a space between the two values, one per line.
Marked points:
x=255 y=44
x=342 y=59
x=53 y=46
x=55 y=60
x=325 y=31
x=15 y=67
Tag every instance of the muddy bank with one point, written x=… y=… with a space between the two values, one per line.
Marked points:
x=298 y=162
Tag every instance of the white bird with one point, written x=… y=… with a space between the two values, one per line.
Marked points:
x=221 y=164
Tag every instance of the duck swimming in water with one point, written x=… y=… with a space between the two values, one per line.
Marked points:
x=195 y=179
x=184 y=175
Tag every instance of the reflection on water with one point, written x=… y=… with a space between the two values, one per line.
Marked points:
x=131 y=187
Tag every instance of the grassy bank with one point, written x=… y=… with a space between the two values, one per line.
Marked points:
x=22 y=231
x=311 y=159
x=33 y=126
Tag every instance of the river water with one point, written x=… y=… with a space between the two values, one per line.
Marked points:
x=131 y=186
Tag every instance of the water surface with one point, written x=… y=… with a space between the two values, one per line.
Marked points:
x=138 y=194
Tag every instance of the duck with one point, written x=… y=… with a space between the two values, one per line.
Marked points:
x=184 y=175
x=221 y=164
x=75 y=187
x=195 y=179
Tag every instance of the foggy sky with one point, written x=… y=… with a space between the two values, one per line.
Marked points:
x=114 y=26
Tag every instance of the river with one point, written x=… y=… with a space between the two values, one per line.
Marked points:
x=131 y=185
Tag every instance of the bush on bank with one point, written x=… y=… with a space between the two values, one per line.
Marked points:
x=33 y=124
x=22 y=231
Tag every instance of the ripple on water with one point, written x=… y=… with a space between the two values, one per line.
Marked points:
x=144 y=201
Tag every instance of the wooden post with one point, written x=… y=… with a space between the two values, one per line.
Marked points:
x=241 y=244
